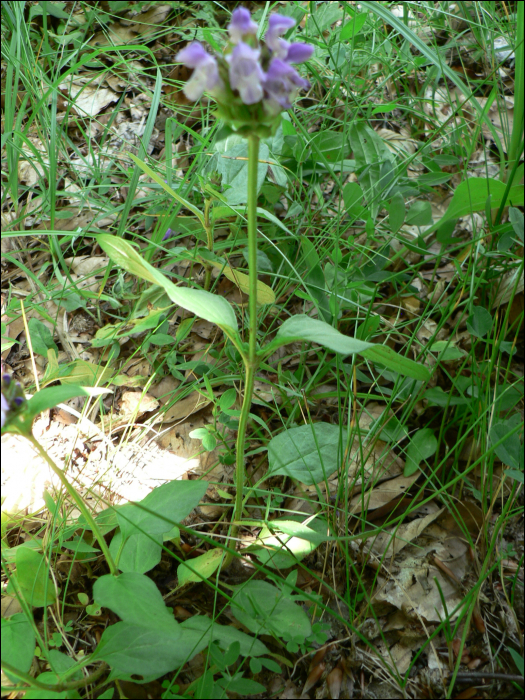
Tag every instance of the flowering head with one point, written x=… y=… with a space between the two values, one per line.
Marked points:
x=252 y=83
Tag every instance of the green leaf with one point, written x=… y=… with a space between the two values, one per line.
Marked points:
x=283 y=543
x=137 y=650
x=392 y=431
x=202 y=567
x=422 y=446
x=302 y=327
x=135 y=599
x=516 y=219
x=232 y=164
x=510 y=451
x=480 y=322
x=391 y=359
x=161 y=339
x=518 y=660
x=18 y=643
x=352 y=197
x=353 y=27
x=140 y=552
x=438 y=397
x=397 y=212
x=84 y=373
x=369 y=152
x=419 y=214
x=149 y=642
x=159 y=180
x=226 y=635
x=32 y=579
x=168 y=504
x=203 y=304
x=264 y=609
x=242 y=686
x=77 y=544
x=309 y=453
x=209 y=441
x=333 y=145
x=472 y=194
x=264 y=264
x=227 y=399
x=447 y=351
x=47 y=398
x=41 y=337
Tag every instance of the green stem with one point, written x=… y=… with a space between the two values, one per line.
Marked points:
x=251 y=360
x=58 y=687
x=516 y=143
x=78 y=500
x=208 y=227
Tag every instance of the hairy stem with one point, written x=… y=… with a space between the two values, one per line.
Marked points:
x=251 y=360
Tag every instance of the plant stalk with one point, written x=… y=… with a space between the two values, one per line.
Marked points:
x=208 y=227
x=79 y=502
x=251 y=360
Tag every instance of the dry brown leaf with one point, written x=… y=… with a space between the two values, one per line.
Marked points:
x=383 y=493
x=184 y=407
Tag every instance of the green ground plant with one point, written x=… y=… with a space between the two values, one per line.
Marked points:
x=344 y=258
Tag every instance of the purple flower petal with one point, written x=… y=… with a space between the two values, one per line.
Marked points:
x=168 y=233
x=4 y=410
x=299 y=53
x=206 y=73
x=193 y=55
x=277 y=25
x=283 y=82
x=246 y=74
x=241 y=24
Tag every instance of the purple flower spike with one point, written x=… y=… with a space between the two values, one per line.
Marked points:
x=168 y=233
x=283 y=82
x=299 y=53
x=206 y=73
x=246 y=74
x=4 y=410
x=241 y=24
x=277 y=25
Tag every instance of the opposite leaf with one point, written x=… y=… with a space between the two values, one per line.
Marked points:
x=303 y=327
x=208 y=306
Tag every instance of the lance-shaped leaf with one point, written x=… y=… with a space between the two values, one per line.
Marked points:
x=203 y=304
x=303 y=327
x=400 y=364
